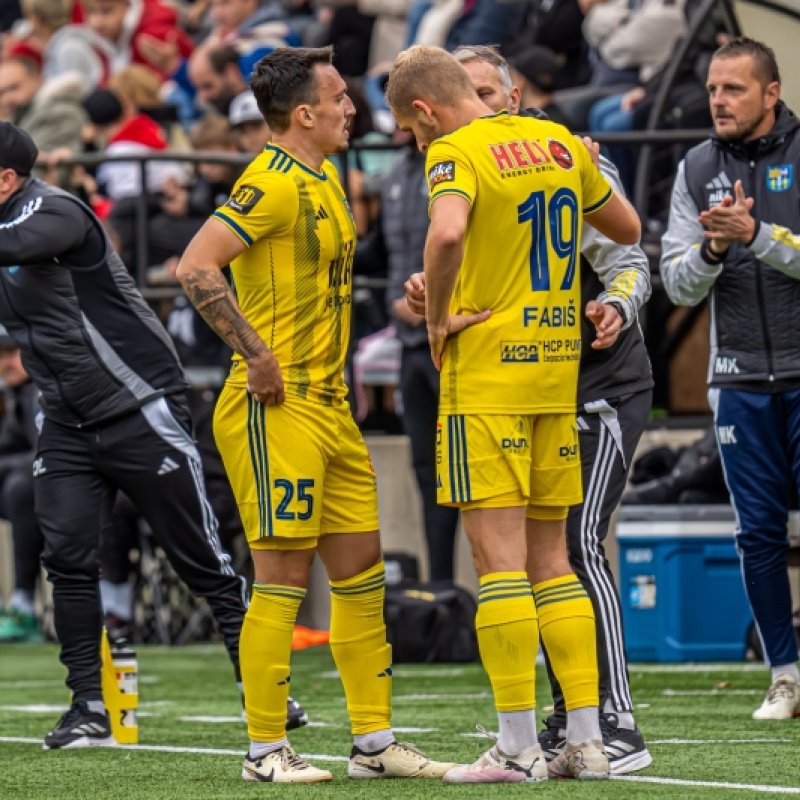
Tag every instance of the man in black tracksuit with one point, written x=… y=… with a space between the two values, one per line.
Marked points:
x=113 y=396
x=734 y=236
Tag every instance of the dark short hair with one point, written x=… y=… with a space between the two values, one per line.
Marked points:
x=765 y=66
x=223 y=56
x=285 y=79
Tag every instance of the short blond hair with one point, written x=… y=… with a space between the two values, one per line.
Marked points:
x=137 y=86
x=212 y=133
x=53 y=14
x=426 y=73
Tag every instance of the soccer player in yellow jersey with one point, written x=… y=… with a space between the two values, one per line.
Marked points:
x=297 y=463
x=507 y=196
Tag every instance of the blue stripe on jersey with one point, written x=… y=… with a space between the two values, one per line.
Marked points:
x=459 y=460
x=599 y=203
x=235 y=227
x=251 y=436
x=263 y=411
x=463 y=426
x=450 y=439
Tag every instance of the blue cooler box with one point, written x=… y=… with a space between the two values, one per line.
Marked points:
x=681 y=584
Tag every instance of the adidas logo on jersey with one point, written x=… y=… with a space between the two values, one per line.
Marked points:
x=322 y=213
x=720 y=188
x=168 y=465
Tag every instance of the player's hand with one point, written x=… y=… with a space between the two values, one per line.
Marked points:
x=415 y=293
x=593 y=147
x=264 y=379
x=437 y=337
x=607 y=322
x=402 y=311
x=730 y=221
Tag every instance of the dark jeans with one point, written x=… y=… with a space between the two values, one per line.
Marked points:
x=419 y=385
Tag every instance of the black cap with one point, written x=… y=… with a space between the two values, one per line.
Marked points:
x=17 y=150
x=103 y=107
x=6 y=340
x=539 y=66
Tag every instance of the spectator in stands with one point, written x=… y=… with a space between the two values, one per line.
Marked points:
x=126 y=130
x=186 y=206
x=217 y=78
x=556 y=24
x=485 y=22
x=60 y=47
x=234 y=20
x=250 y=131
x=430 y=22
x=389 y=31
x=18 y=436
x=350 y=33
x=536 y=71
x=139 y=32
x=750 y=267
x=50 y=111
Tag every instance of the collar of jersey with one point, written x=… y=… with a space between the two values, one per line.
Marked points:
x=502 y=113
x=274 y=148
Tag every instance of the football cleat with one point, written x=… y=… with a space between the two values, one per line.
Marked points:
x=782 y=700
x=296 y=717
x=495 y=766
x=398 y=760
x=585 y=761
x=551 y=741
x=80 y=727
x=282 y=766
x=625 y=748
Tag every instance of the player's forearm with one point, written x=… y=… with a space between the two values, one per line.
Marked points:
x=210 y=294
x=442 y=262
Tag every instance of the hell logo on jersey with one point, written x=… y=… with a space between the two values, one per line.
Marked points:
x=443 y=172
x=561 y=155
x=518 y=155
x=245 y=198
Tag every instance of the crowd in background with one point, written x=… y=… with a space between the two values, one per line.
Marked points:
x=138 y=77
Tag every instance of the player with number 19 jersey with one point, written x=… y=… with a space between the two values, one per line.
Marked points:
x=528 y=181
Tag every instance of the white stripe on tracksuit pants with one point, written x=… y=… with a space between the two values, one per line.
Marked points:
x=609 y=433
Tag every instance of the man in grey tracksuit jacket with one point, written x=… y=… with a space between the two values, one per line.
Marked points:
x=733 y=237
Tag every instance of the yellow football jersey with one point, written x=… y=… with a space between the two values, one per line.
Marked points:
x=528 y=182
x=294 y=281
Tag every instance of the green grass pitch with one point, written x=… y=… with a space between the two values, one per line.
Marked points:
x=184 y=693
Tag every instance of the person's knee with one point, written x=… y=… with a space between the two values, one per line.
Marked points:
x=283 y=567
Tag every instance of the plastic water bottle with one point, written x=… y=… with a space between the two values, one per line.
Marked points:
x=121 y=690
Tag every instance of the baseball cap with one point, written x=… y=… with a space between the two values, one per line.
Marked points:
x=539 y=66
x=244 y=109
x=6 y=340
x=17 y=150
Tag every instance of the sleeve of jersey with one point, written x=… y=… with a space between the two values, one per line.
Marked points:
x=260 y=206
x=449 y=172
x=596 y=189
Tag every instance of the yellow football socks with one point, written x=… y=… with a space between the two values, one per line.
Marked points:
x=508 y=639
x=264 y=649
x=359 y=647
x=566 y=622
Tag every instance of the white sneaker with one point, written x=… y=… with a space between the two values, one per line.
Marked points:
x=782 y=700
x=282 y=766
x=398 y=760
x=495 y=766
x=586 y=761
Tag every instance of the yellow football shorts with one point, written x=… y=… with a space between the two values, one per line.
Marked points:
x=499 y=461
x=298 y=470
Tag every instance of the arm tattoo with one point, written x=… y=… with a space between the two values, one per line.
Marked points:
x=212 y=297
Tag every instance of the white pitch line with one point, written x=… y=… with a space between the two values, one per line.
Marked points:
x=36 y=709
x=406 y=698
x=414 y=730
x=708 y=692
x=211 y=720
x=752 y=787
x=401 y=672
x=28 y=684
x=749 y=787
x=720 y=741
x=734 y=666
